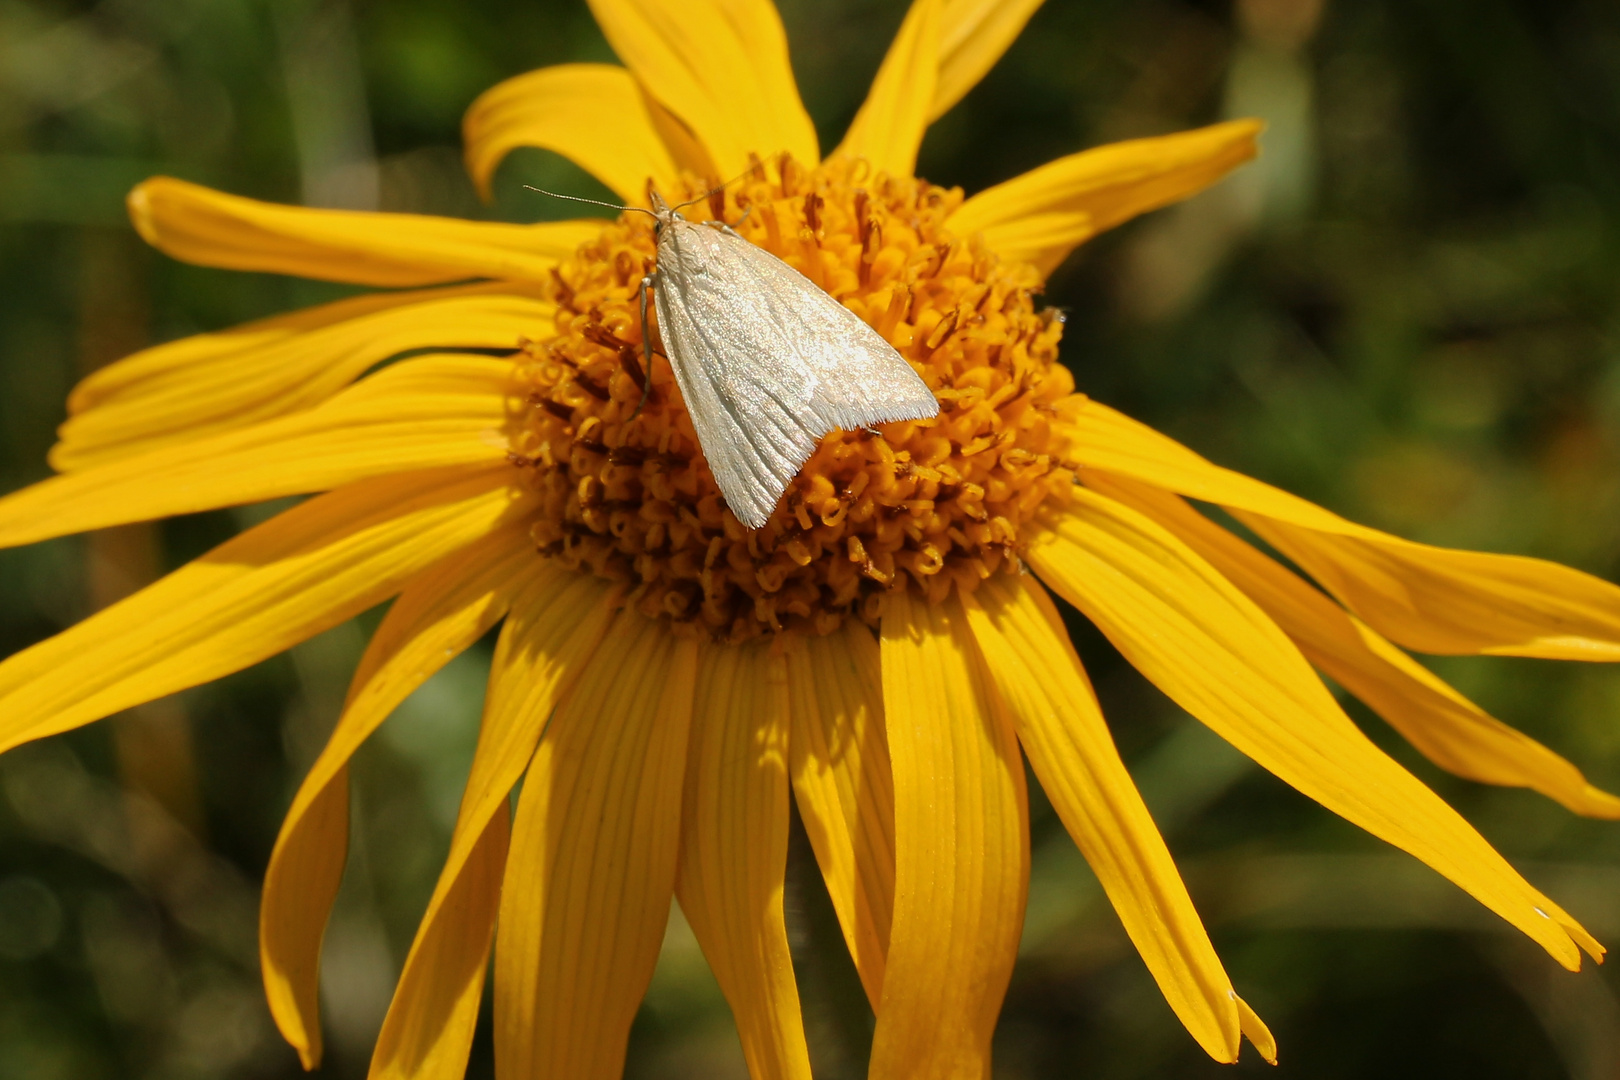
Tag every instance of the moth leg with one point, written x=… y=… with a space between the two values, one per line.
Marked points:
x=732 y=229
x=647 y=348
x=726 y=227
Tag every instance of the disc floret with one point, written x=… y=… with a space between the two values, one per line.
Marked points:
x=931 y=504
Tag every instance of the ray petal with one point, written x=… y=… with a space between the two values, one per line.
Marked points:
x=961 y=835
x=567 y=108
x=592 y=864
x=442 y=612
x=734 y=835
x=198 y=387
x=299 y=573
x=973 y=36
x=721 y=67
x=844 y=787
x=1061 y=728
x=1426 y=598
x=418 y=414
x=550 y=636
x=1105 y=186
x=888 y=129
x=210 y=228
x=1444 y=725
x=1214 y=653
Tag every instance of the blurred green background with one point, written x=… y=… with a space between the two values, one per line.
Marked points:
x=1408 y=310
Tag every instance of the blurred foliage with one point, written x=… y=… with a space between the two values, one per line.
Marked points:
x=1407 y=310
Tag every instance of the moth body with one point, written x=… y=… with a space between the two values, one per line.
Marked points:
x=767 y=361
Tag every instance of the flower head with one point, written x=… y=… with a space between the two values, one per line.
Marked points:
x=884 y=648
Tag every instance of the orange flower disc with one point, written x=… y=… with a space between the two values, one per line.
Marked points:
x=934 y=502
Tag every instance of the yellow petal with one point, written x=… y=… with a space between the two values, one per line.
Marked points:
x=439 y=614
x=550 y=635
x=1062 y=730
x=1449 y=729
x=1255 y=1030
x=961 y=840
x=1109 y=185
x=197 y=387
x=429 y=1027
x=973 y=35
x=593 y=114
x=299 y=573
x=890 y=125
x=721 y=67
x=199 y=225
x=844 y=787
x=1219 y=657
x=418 y=414
x=734 y=834
x=592 y=864
x=1426 y=598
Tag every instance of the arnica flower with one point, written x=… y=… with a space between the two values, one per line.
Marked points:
x=884 y=651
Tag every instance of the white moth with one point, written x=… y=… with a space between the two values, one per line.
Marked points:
x=768 y=362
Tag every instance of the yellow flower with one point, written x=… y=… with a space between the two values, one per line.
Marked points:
x=664 y=678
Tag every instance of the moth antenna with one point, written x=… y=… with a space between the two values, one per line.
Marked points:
x=593 y=202
x=711 y=191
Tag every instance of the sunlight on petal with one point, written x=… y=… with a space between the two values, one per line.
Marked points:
x=441 y=613
x=549 y=637
x=210 y=228
x=1446 y=727
x=301 y=572
x=188 y=390
x=566 y=109
x=1219 y=657
x=961 y=834
x=888 y=129
x=844 y=786
x=722 y=67
x=418 y=414
x=1061 y=728
x=1109 y=185
x=734 y=836
x=1426 y=598
x=973 y=36
x=591 y=868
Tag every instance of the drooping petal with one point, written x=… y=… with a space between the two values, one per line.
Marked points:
x=961 y=839
x=596 y=115
x=1108 y=186
x=441 y=613
x=418 y=414
x=550 y=636
x=428 y=1031
x=1061 y=728
x=734 y=835
x=844 y=786
x=889 y=127
x=1449 y=729
x=298 y=574
x=592 y=864
x=721 y=67
x=1219 y=657
x=198 y=225
x=1426 y=598
x=187 y=390
x=973 y=35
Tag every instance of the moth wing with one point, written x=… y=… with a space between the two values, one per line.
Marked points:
x=768 y=363
x=859 y=378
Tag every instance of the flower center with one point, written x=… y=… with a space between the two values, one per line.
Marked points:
x=934 y=503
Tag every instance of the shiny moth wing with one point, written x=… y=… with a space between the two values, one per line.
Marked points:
x=767 y=361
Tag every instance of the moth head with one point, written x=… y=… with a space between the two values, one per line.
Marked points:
x=661 y=210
